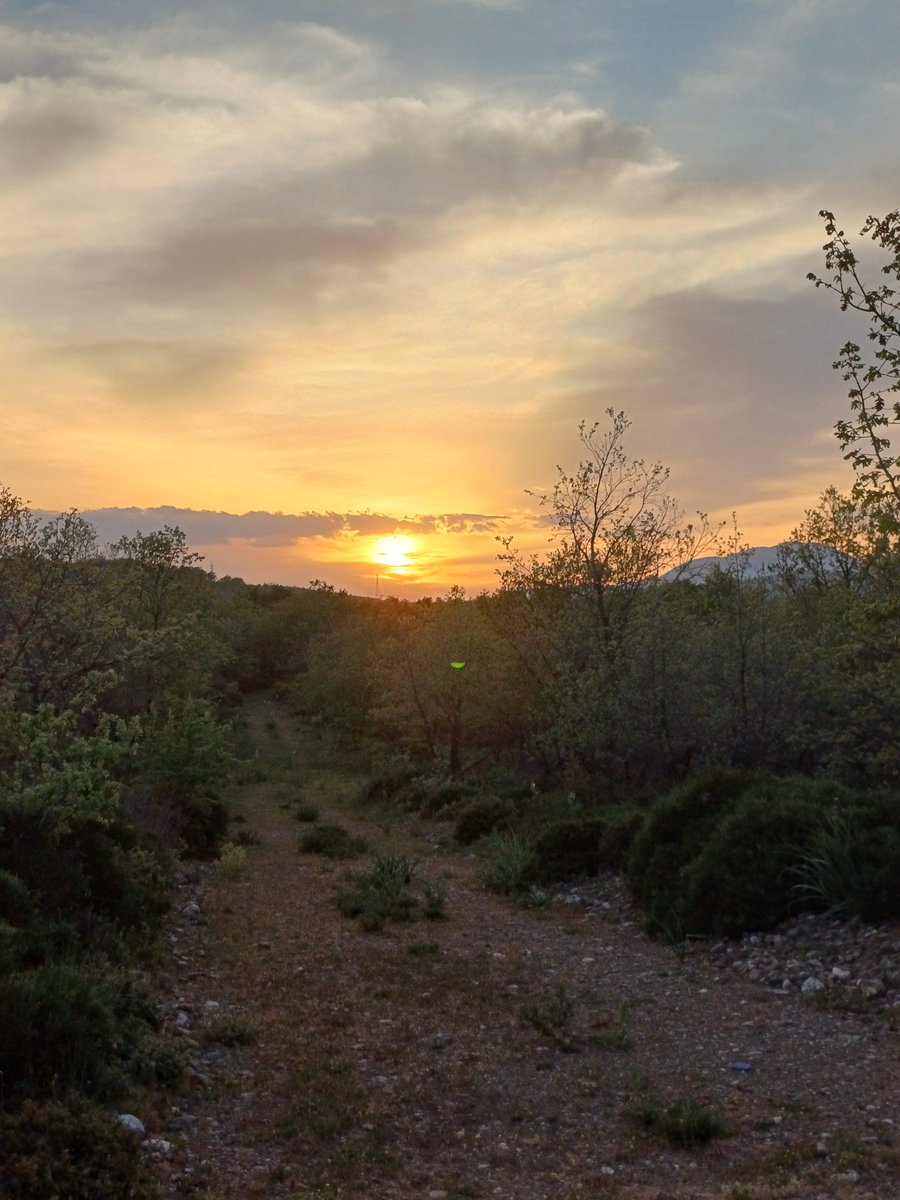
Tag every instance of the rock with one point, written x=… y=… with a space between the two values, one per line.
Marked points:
x=192 y=912
x=839 y=973
x=158 y=1147
x=811 y=985
x=131 y=1123
x=437 y=1194
x=740 y=1066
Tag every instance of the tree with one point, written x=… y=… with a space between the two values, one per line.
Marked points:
x=587 y=616
x=875 y=379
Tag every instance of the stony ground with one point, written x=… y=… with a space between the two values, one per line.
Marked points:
x=527 y=1053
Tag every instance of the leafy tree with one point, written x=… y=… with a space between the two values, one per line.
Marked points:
x=875 y=378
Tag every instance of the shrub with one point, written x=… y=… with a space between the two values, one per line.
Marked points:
x=482 y=816
x=74 y=1152
x=67 y=1026
x=507 y=863
x=567 y=849
x=332 y=841
x=381 y=894
x=719 y=856
x=683 y=1123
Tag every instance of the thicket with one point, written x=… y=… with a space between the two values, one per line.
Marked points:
x=112 y=756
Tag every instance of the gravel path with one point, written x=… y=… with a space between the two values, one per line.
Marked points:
x=504 y=1051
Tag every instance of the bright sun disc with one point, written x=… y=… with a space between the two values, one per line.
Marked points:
x=394 y=552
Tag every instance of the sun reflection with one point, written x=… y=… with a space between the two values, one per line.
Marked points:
x=394 y=552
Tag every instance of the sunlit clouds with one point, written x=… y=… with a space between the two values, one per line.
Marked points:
x=274 y=269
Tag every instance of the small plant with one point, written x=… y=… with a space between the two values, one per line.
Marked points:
x=508 y=863
x=682 y=1123
x=422 y=948
x=232 y=1031
x=552 y=1016
x=305 y=812
x=332 y=841
x=434 y=898
x=615 y=1036
x=232 y=858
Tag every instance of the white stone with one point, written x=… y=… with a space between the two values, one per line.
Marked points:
x=130 y=1122
x=811 y=985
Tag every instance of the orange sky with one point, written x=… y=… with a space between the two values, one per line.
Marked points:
x=285 y=269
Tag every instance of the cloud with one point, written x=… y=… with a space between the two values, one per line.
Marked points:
x=265 y=529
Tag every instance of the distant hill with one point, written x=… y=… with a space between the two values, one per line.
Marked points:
x=755 y=563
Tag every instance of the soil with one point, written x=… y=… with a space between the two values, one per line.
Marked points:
x=531 y=1053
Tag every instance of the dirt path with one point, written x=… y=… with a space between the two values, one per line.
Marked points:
x=399 y=1064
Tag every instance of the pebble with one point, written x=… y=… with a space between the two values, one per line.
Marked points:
x=811 y=985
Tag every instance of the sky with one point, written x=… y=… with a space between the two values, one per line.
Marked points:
x=330 y=285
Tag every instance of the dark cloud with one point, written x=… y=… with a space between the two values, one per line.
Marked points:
x=294 y=257
x=38 y=139
x=157 y=370
x=268 y=530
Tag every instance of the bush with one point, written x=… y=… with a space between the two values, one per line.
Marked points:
x=184 y=759
x=720 y=855
x=683 y=1123
x=567 y=849
x=482 y=816
x=381 y=894
x=73 y=1152
x=66 y=1026
x=332 y=841
x=507 y=864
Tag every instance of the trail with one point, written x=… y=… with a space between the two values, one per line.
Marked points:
x=399 y=1064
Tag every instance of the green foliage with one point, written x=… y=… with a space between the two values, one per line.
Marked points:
x=306 y=813
x=507 y=863
x=391 y=890
x=70 y=1152
x=722 y=854
x=851 y=864
x=567 y=849
x=184 y=759
x=332 y=841
x=482 y=816
x=68 y=1026
x=683 y=1123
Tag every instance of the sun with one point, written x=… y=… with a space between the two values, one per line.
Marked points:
x=394 y=552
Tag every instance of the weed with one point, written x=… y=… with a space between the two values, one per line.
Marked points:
x=231 y=859
x=552 y=1016
x=508 y=863
x=434 y=898
x=422 y=948
x=682 y=1123
x=332 y=841
x=305 y=812
x=232 y=1031
x=616 y=1035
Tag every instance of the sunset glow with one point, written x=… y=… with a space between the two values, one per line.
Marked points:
x=312 y=278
